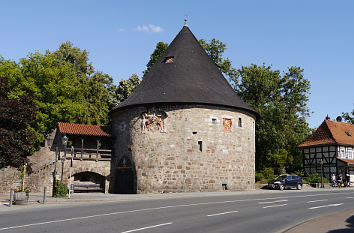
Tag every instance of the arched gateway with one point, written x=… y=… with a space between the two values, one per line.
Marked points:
x=85 y=157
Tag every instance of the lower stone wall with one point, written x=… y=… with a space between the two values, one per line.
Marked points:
x=8 y=179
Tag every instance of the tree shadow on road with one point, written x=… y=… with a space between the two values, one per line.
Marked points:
x=349 y=229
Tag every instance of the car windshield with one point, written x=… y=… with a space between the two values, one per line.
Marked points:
x=282 y=177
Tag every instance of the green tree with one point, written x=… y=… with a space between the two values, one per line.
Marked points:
x=100 y=98
x=159 y=50
x=56 y=91
x=280 y=160
x=347 y=117
x=281 y=101
x=64 y=87
x=16 y=139
x=76 y=57
x=215 y=49
x=126 y=87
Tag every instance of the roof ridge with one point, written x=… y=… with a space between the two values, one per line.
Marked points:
x=81 y=124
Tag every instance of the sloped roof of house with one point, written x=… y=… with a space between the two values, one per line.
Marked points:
x=331 y=133
x=80 y=129
x=347 y=161
x=185 y=74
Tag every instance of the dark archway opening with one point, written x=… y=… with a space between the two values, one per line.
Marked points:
x=125 y=177
x=88 y=182
x=124 y=181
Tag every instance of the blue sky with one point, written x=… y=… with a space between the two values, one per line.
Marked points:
x=120 y=36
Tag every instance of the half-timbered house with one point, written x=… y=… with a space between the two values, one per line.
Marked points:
x=330 y=149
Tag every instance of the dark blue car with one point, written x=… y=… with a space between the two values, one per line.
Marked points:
x=286 y=182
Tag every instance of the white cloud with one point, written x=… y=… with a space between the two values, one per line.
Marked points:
x=121 y=30
x=149 y=28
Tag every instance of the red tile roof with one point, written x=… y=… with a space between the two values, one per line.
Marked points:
x=347 y=161
x=331 y=132
x=80 y=129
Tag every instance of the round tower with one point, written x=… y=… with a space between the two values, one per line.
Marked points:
x=184 y=128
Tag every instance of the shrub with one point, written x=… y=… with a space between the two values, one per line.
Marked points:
x=315 y=178
x=259 y=176
x=61 y=189
x=265 y=175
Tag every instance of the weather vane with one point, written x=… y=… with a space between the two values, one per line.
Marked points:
x=185 y=20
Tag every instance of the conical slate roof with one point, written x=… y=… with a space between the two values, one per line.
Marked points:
x=192 y=77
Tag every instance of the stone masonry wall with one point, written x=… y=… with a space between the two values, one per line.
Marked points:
x=8 y=179
x=43 y=166
x=170 y=160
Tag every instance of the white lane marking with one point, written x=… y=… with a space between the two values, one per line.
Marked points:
x=271 y=206
x=229 y=212
x=322 y=206
x=115 y=213
x=349 y=197
x=317 y=200
x=270 y=202
x=165 y=207
x=143 y=228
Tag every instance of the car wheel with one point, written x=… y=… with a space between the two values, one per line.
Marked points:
x=281 y=187
x=299 y=187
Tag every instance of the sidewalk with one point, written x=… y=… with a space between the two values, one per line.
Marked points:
x=340 y=222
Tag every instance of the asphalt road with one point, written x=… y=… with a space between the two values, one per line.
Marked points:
x=269 y=212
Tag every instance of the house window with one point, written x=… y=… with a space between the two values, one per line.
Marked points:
x=350 y=154
x=200 y=144
x=342 y=154
x=240 y=122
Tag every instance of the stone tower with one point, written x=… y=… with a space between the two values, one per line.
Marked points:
x=184 y=128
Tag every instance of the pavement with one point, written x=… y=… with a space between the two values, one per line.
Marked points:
x=339 y=222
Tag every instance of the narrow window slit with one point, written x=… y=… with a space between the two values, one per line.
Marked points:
x=200 y=143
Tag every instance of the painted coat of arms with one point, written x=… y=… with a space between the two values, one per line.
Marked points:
x=153 y=121
x=227 y=124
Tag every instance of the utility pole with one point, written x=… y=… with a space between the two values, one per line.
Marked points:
x=322 y=186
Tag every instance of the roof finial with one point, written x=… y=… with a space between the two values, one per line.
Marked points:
x=185 y=20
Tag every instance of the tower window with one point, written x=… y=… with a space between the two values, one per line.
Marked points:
x=214 y=120
x=240 y=122
x=200 y=144
x=170 y=59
